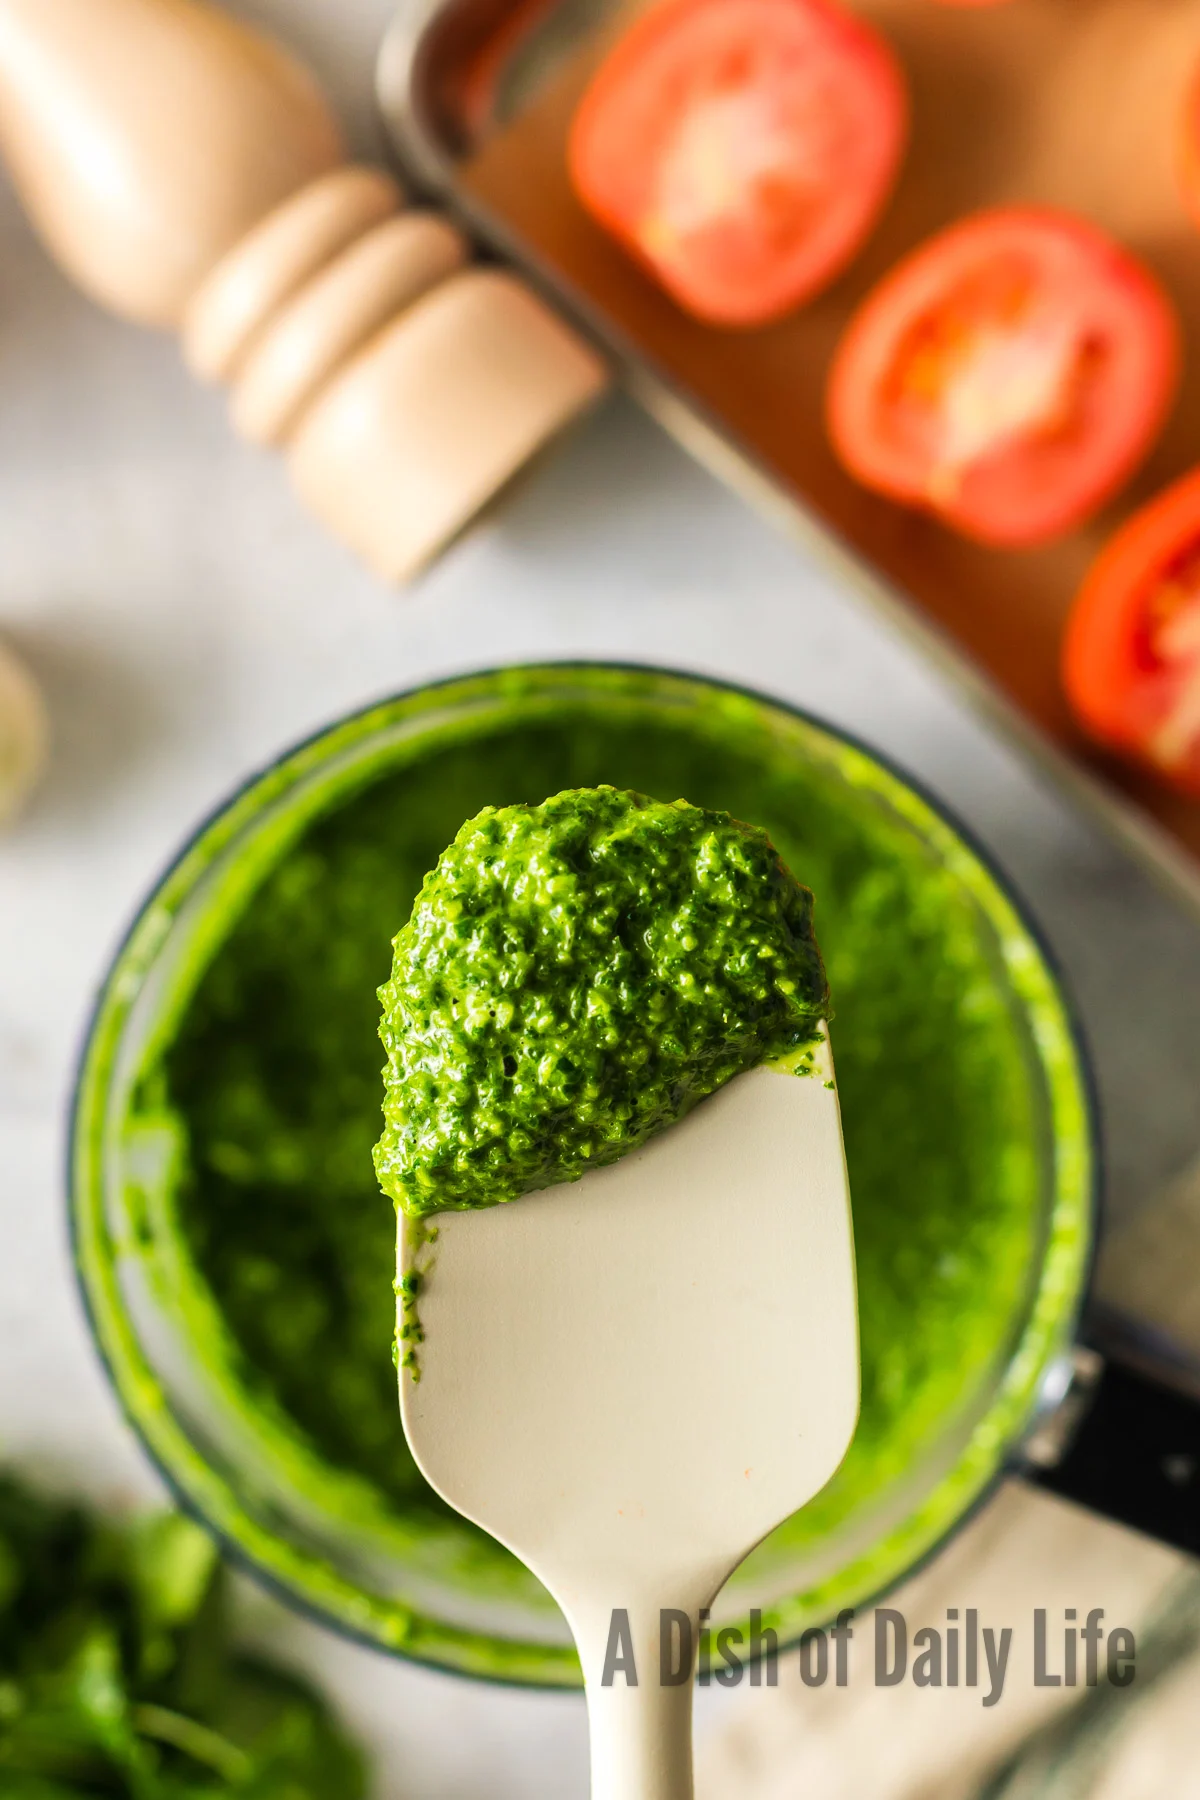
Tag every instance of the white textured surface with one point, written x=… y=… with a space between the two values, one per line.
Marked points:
x=187 y=621
x=863 y=1742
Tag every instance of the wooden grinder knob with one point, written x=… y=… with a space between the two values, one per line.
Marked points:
x=187 y=172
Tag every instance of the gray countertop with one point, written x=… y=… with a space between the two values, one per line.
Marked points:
x=188 y=621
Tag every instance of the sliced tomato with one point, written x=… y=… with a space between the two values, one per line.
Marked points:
x=1008 y=376
x=741 y=149
x=1131 y=658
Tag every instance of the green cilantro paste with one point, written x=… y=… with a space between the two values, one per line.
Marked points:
x=272 y=1083
x=574 y=977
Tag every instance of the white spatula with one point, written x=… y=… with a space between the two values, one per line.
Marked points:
x=629 y=1380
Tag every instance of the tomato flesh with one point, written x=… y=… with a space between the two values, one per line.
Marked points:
x=741 y=149
x=1174 y=644
x=1131 y=659
x=1008 y=376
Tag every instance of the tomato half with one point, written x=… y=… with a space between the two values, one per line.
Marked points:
x=1131 y=657
x=741 y=149
x=1008 y=375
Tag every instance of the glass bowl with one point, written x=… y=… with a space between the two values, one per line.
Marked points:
x=422 y=1584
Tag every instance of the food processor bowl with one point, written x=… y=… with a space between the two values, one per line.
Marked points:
x=324 y=1538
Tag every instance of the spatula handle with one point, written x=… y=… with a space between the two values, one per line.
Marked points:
x=640 y=1725
x=641 y=1742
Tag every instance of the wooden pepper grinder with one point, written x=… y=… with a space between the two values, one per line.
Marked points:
x=187 y=172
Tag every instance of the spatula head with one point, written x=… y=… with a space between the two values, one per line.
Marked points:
x=631 y=1379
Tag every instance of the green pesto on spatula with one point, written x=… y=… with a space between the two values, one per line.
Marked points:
x=576 y=976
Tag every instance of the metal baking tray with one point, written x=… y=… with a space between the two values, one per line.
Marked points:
x=1067 y=102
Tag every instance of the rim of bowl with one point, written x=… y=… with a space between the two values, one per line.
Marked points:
x=506 y=1662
